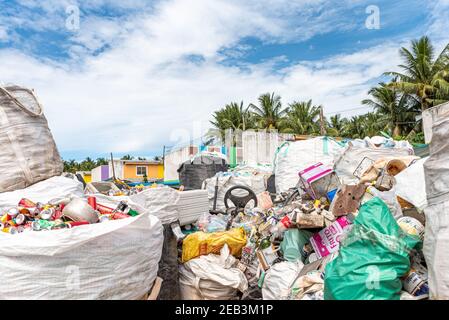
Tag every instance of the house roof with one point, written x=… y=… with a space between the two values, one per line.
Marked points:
x=139 y=162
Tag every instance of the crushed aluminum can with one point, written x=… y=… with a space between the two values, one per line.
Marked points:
x=105 y=217
x=5 y=218
x=58 y=214
x=35 y=225
x=47 y=213
x=20 y=219
x=103 y=209
x=92 y=201
x=118 y=216
x=122 y=207
x=12 y=230
x=10 y=223
x=26 y=203
x=412 y=226
x=60 y=225
x=415 y=284
x=72 y=224
x=12 y=212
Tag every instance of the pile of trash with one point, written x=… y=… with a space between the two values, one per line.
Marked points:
x=351 y=227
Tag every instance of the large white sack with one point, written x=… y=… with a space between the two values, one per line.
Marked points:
x=436 y=237
x=349 y=160
x=410 y=184
x=279 y=280
x=29 y=153
x=161 y=202
x=112 y=260
x=293 y=157
x=211 y=277
x=256 y=182
x=436 y=248
x=54 y=188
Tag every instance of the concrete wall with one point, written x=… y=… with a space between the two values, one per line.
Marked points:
x=100 y=173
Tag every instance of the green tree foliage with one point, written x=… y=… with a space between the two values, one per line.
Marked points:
x=302 y=118
x=423 y=75
x=268 y=113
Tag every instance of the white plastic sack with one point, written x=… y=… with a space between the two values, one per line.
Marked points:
x=257 y=183
x=44 y=191
x=112 y=260
x=279 y=280
x=211 y=277
x=29 y=153
x=348 y=161
x=161 y=202
x=410 y=184
x=293 y=157
x=436 y=237
x=436 y=249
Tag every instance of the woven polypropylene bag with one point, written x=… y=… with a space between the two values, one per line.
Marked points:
x=29 y=153
x=113 y=260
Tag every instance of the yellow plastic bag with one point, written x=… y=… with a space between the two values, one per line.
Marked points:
x=201 y=243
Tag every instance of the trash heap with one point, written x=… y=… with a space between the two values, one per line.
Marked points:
x=324 y=239
x=60 y=214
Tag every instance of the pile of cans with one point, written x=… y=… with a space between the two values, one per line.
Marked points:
x=36 y=216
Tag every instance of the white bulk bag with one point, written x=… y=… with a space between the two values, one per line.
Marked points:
x=349 y=160
x=410 y=184
x=279 y=280
x=293 y=157
x=54 y=188
x=161 y=202
x=436 y=237
x=29 y=153
x=211 y=277
x=111 y=260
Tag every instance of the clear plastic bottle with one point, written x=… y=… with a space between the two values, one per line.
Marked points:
x=282 y=225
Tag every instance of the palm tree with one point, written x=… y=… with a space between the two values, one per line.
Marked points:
x=127 y=157
x=354 y=127
x=269 y=112
x=423 y=76
x=372 y=124
x=101 y=162
x=302 y=118
x=70 y=166
x=396 y=109
x=87 y=165
x=232 y=116
x=336 y=125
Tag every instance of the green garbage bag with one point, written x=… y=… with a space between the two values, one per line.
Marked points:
x=293 y=243
x=372 y=257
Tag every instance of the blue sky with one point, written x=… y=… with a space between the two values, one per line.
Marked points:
x=137 y=75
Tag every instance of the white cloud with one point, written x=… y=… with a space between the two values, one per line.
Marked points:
x=132 y=96
x=3 y=34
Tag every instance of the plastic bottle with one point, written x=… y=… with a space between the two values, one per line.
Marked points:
x=282 y=225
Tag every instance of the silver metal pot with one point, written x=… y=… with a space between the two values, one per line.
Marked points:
x=80 y=210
